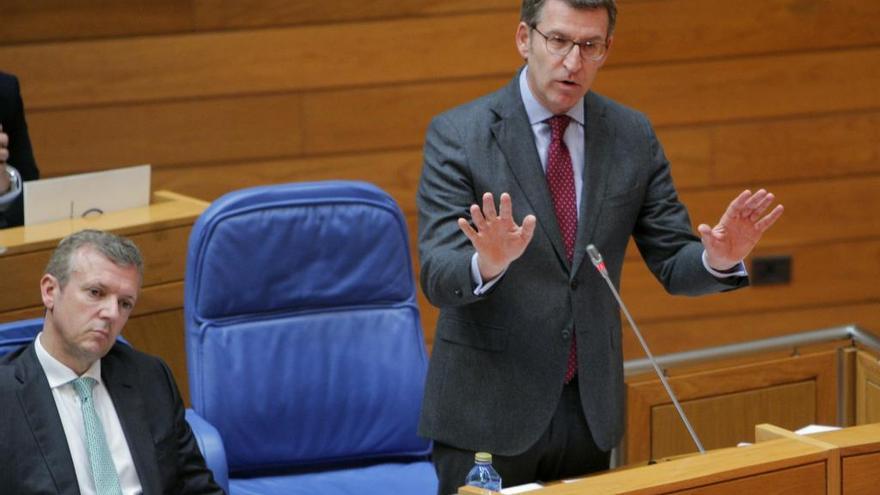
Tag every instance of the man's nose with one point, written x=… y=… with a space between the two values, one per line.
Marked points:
x=110 y=307
x=573 y=61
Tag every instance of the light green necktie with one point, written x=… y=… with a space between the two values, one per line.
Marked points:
x=100 y=459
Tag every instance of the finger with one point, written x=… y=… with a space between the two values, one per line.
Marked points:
x=4 y=140
x=764 y=203
x=467 y=229
x=756 y=199
x=506 y=208
x=736 y=207
x=706 y=233
x=477 y=218
x=4 y=155
x=766 y=222
x=528 y=228
x=489 y=207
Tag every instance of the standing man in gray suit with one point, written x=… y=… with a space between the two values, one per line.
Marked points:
x=527 y=360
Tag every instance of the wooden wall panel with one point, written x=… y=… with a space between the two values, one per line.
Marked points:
x=751 y=88
x=160 y=334
x=269 y=60
x=729 y=29
x=225 y=14
x=161 y=265
x=770 y=151
x=860 y=474
x=167 y=133
x=43 y=20
x=727 y=419
x=867 y=389
x=644 y=394
x=815 y=282
x=692 y=333
x=808 y=479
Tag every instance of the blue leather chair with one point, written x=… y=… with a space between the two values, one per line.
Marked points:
x=16 y=334
x=303 y=340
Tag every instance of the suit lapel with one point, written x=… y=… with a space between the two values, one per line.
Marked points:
x=514 y=135
x=132 y=412
x=597 y=168
x=39 y=407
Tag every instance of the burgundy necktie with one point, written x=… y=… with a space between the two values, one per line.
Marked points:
x=560 y=179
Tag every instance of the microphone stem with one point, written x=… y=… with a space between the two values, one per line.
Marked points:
x=660 y=374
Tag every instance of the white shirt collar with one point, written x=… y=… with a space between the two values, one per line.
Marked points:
x=56 y=372
x=536 y=112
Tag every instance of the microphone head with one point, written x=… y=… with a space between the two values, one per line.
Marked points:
x=595 y=256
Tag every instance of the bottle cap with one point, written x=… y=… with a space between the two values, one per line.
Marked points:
x=483 y=457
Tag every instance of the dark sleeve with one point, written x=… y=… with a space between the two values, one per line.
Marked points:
x=21 y=155
x=444 y=194
x=194 y=477
x=664 y=235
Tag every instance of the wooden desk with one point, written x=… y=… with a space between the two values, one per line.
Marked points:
x=841 y=462
x=161 y=230
x=859 y=458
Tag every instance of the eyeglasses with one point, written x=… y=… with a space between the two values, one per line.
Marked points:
x=560 y=47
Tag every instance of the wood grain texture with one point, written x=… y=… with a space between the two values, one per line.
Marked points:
x=727 y=419
x=692 y=333
x=860 y=474
x=644 y=395
x=867 y=388
x=803 y=480
x=815 y=283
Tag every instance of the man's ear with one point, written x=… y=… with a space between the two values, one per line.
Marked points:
x=49 y=289
x=522 y=40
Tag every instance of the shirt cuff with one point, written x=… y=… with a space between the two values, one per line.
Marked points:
x=482 y=287
x=738 y=270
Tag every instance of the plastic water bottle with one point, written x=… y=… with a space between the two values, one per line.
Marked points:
x=483 y=475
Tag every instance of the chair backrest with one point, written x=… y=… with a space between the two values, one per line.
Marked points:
x=303 y=337
x=18 y=333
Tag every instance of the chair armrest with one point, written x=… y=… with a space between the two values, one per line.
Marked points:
x=211 y=446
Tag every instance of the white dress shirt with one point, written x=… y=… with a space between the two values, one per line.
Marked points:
x=70 y=411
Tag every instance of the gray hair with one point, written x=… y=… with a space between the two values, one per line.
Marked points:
x=119 y=250
x=530 y=13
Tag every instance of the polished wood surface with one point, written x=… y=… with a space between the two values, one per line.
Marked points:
x=781 y=462
x=853 y=461
x=779 y=466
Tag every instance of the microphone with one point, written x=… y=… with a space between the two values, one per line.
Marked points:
x=599 y=263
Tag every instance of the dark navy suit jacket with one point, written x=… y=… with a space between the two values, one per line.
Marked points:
x=34 y=456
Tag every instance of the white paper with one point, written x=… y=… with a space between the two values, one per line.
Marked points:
x=810 y=429
x=521 y=488
x=82 y=195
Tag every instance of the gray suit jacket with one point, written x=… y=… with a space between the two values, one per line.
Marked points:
x=34 y=457
x=498 y=361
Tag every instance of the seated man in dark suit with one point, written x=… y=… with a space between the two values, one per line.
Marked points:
x=82 y=413
x=16 y=156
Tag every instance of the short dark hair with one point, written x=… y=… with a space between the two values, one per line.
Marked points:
x=530 y=13
x=120 y=250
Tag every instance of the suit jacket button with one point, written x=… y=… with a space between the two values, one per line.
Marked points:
x=566 y=334
x=574 y=285
x=457 y=292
